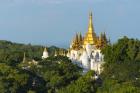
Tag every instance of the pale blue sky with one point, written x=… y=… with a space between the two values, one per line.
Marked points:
x=55 y=22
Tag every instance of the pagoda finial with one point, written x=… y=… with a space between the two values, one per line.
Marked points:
x=90 y=37
x=90 y=13
x=45 y=49
x=73 y=40
x=90 y=21
x=80 y=38
x=101 y=36
x=76 y=36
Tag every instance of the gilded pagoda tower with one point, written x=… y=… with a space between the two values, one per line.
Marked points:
x=86 y=51
x=90 y=37
x=79 y=42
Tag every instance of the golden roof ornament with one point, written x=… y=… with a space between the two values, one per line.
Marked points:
x=45 y=49
x=90 y=37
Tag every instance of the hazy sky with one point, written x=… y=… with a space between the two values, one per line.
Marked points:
x=55 y=22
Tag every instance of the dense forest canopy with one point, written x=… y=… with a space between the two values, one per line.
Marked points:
x=12 y=53
x=58 y=74
x=121 y=72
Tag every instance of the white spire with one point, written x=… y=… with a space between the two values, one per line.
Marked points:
x=45 y=53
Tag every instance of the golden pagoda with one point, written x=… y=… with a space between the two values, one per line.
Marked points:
x=80 y=38
x=45 y=49
x=90 y=37
x=79 y=42
x=100 y=42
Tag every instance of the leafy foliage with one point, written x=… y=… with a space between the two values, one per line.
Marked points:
x=85 y=84
x=121 y=72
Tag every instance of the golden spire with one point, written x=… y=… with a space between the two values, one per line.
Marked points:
x=101 y=38
x=76 y=42
x=76 y=38
x=45 y=49
x=102 y=41
x=90 y=37
x=90 y=26
x=80 y=38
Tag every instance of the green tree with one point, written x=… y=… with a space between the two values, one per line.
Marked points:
x=121 y=70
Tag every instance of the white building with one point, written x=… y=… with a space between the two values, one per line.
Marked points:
x=45 y=54
x=86 y=51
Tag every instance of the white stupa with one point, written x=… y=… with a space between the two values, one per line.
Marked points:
x=45 y=54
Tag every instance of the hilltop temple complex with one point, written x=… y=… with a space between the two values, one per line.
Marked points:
x=86 y=50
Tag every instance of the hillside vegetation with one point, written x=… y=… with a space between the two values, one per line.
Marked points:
x=121 y=72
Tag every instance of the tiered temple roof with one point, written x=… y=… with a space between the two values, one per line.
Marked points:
x=79 y=42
